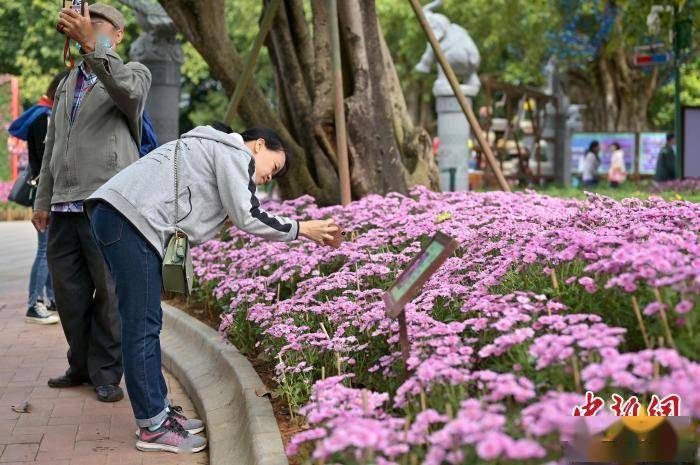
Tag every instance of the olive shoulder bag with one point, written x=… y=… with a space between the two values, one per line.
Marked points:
x=177 y=264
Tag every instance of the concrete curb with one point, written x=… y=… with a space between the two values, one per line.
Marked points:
x=221 y=382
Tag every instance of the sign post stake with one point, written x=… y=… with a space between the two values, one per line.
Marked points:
x=677 y=93
x=341 y=138
x=635 y=157
x=403 y=336
x=249 y=66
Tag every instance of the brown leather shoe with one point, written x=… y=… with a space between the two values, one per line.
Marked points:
x=109 y=393
x=65 y=381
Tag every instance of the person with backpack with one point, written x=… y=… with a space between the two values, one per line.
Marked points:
x=95 y=133
x=31 y=126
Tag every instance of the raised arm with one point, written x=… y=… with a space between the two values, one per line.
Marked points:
x=128 y=85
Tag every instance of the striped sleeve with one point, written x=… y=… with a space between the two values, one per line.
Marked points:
x=235 y=176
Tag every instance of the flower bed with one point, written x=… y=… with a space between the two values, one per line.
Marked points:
x=688 y=186
x=537 y=305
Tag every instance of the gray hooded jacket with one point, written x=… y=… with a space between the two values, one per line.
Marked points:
x=216 y=173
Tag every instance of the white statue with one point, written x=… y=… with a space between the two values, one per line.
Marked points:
x=460 y=51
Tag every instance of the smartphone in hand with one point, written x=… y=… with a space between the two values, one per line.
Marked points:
x=338 y=238
x=75 y=5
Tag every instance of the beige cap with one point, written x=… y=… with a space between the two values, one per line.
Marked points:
x=109 y=13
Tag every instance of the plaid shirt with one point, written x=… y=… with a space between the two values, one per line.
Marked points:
x=83 y=86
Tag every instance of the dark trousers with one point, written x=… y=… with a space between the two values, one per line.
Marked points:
x=136 y=268
x=85 y=300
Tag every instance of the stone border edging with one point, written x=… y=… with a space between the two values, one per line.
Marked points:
x=241 y=427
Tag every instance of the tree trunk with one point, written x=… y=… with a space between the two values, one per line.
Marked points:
x=387 y=152
x=616 y=94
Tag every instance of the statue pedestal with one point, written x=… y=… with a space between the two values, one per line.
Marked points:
x=159 y=49
x=453 y=132
x=163 y=102
x=162 y=55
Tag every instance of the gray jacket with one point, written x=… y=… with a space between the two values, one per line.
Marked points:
x=103 y=140
x=216 y=174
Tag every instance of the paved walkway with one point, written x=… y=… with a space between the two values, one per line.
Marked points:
x=63 y=426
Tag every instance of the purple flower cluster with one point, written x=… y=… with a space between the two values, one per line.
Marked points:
x=5 y=189
x=538 y=301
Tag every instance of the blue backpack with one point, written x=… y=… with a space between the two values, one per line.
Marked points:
x=20 y=127
x=149 y=140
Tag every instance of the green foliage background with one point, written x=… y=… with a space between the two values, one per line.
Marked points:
x=511 y=36
x=508 y=34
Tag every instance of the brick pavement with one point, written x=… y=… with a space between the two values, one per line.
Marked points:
x=63 y=426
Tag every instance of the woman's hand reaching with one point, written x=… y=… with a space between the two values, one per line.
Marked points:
x=318 y=230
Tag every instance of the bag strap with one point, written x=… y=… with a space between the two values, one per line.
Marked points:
x=177 y=185
x=68 y=60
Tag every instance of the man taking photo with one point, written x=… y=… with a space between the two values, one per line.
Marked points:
x=93 y=134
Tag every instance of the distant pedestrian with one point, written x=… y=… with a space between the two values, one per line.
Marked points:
x=591 y=163
x=666 y=162
x=31 y=126
x=618 y=172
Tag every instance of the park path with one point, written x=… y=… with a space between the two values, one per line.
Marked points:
x=63 y=426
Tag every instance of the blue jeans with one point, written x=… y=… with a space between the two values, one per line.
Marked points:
x=136 y=270
x=40 y=279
